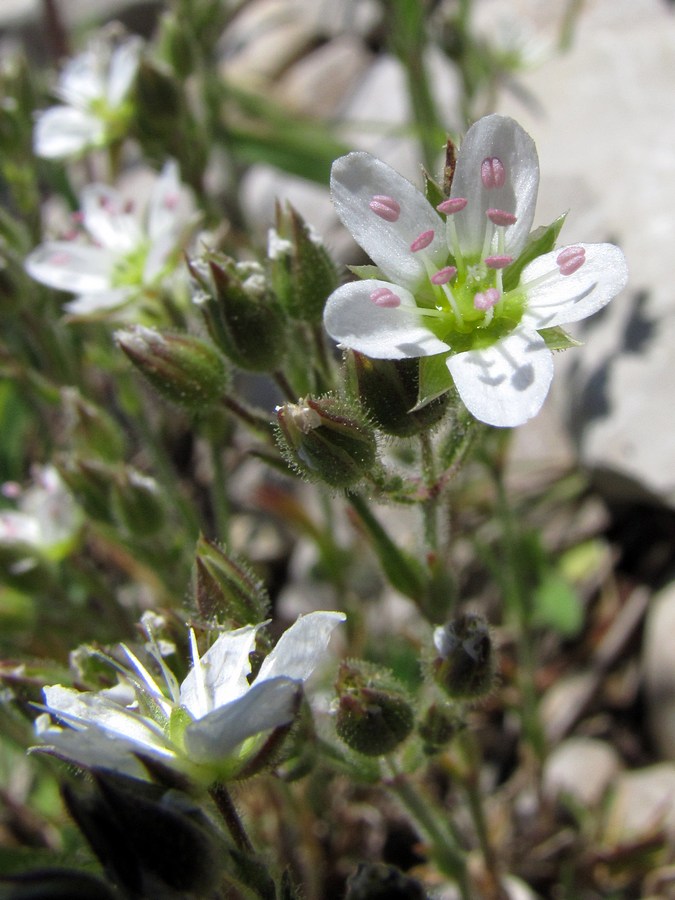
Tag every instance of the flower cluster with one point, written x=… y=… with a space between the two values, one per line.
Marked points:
x=209 y=727
x=466 y=281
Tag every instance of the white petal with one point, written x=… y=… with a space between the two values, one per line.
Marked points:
x=506 y=384
x=355 y=179
x=123 y=68
x=225 y=666
x=83 y=77
x=68 y=266
x=501 y=137
x=352 y=319
x=107 y=220
x=63 y=131
x=97 y=302
x=86 y=710
x=264 y=706
x=170 y=204
x=569 y=298
x=301 y=647
x=93 y=748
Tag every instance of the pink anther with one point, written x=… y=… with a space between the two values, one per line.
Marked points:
x=385 y=207
x=443 y=276
x=452 y=205
x=500 y=217
x=570 y=259
x=498 y=262
x=422 y=240
x=385 y=298
x=60 y=258
x=486 y=299
x=492 y=172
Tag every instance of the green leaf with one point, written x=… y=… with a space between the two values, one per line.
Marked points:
x=558 y=339
x=435 y=379
x=542 y=240
x=557 y=606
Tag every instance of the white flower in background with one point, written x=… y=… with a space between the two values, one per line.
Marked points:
x=46 y=519
x=210 y=726
x=450 y=281
x=127 y=256
x=94 y=87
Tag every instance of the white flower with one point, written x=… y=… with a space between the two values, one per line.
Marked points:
x=95 y=88
x=451 y=279
x=46 y=520
x=210 y=726
x=126 y=257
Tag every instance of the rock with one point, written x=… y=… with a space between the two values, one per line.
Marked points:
x=658 y=666
x=643 y=804
x=581 y=768
x=598 y=117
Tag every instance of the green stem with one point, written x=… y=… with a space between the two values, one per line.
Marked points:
x=219 y=498
x=228 y=811
x=433 y=825
x=430 y=507
x=470 y=783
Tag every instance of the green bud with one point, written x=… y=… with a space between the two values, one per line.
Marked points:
x=378 y=881
x=374 y=711
x=91 y=482
x=183 y=368
x=226 y=589
x=176 y=44
x=90 y=428
x=241 y=313
x=438 y=726
x=388 y=390
x=137 y=501
x=326 y=440
x=303 y=274
x=464 y=667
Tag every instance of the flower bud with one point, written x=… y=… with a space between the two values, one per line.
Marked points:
x=91 y=482
x=438 y=726
x=241 y=313
x=183 y=368
x=388 y=390
x=90 y=428
x=324 y=439
x=464 y=667
x=374 y=712
x=303 y=274
x=137 y=501
x=225 y=588
x=379 y=881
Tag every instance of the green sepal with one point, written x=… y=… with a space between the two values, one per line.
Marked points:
x=557 y=338
x=179 y=719
x=435 y=379
x=432 y=190
x=366 y=272
x=542 y=240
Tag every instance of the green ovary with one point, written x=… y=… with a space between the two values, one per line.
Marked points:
x=129 y=271
x=473 y=329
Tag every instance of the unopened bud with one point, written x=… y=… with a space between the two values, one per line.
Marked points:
x=226 y=589
x=183 y=368
x=374 y=712
x=91 y=482
x=240 y=310
x=379 y=881
x=464 y=666
x=388 y=390
x=137 y=501
x=303 y=274
x=90 y=428
x=326 y=440
x=438 y=726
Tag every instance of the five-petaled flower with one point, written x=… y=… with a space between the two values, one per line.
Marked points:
x=123 y=256
x=95 y=88
x=210 y=727
x=450 y=280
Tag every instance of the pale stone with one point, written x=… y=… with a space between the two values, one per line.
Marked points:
x=658 y=667
x=581 y=768
x=643 y=804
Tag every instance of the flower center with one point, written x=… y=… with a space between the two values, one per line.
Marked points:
x=463 y=301
x=129 y=269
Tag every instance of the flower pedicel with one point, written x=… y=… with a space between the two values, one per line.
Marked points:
x=450 y=281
